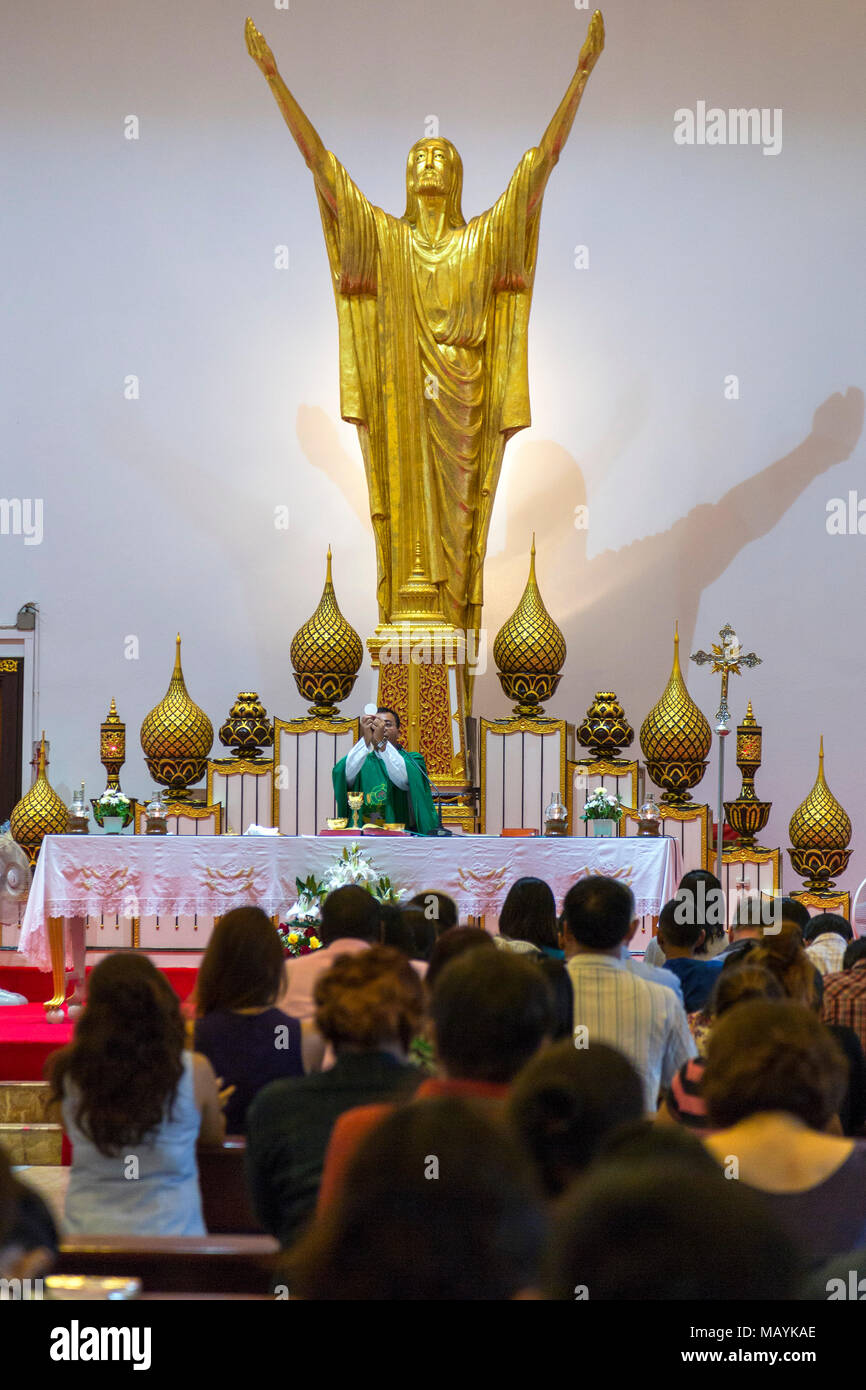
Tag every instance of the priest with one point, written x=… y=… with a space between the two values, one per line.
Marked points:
x=395 y=783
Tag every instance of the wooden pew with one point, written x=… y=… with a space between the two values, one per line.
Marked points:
x=224 y=1195
x=175 y=1264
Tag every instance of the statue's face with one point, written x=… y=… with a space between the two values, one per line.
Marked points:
x=432 y=173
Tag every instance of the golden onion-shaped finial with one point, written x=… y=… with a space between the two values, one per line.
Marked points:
x=176 y=736
x=675 y=737
x=820 y=822
x=326 y=654
x=40 y=812
x=529 y=650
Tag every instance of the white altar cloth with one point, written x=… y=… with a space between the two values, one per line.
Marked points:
x=141 y=875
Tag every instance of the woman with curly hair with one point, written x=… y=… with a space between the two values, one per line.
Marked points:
x=134 y=1106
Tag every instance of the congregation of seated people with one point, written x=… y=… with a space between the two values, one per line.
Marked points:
x=540 y=1112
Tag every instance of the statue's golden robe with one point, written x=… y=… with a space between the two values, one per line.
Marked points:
x=433 y=371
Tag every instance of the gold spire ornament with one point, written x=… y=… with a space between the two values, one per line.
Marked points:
x=40 y=812
x=820 y=831
x=326 y=654
x=176 y=736
x=675 y=738
x=529 y=651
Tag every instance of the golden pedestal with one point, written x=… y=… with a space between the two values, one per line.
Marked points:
x=838 y=901
x=422 y=670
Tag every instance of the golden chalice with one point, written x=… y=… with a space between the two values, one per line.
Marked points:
x=356 y=801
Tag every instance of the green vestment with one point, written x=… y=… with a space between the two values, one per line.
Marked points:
x=382 y=800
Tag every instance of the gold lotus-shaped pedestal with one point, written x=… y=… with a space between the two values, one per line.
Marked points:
x=820 y=831
x=529 y=651
x=40 y=812
x=605 y=729
x=326 y=654
x=176 y=737
x=675 y=739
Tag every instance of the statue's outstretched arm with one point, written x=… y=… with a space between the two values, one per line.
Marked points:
x=306 y=136
x=560 y=127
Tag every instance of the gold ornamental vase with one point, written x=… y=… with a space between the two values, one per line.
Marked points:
x=605 y=729
x=40 y=812
x=529 y=651
x=247 y=731
x=176 y=737
x=326 y=655
x=747 y=815
x=675 y=739
x=820 y=831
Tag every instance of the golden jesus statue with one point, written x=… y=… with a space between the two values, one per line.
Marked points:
x=433 y=317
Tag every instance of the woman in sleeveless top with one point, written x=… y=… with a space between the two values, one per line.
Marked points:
x=773 y=1083
x=248 y=1040
x=134 y=1106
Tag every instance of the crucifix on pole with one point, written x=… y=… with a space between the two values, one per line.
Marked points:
x=727 y=658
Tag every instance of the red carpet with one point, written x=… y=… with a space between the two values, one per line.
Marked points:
x=36 y=985
x=26 y=1039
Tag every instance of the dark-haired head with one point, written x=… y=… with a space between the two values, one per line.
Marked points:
x=558 y=979
x=855 y=951
x=824 y=922
x=598 y=913
x=709 y=902
x=453 y=943
x=491 y=1011
x=125 y=1061
x=795 y=911
x=350 y=912
x=679 y=926
x=635 y=1230
x=244 y=964
x=566 y=1101
x=739 y=985
x=385 y=709
x=438 y=907
x=769 y=1056
x=529 y=914
x=439 y=1203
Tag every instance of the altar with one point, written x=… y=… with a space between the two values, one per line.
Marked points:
x=78 y=876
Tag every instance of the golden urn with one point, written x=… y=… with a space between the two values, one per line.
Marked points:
x=529 y=651
x=326 y=654
x=747 y=815
x=247 y=731
x=675 y=739
x=820 y=831
x=605 y=729
x=176 y=736
x=40 y=812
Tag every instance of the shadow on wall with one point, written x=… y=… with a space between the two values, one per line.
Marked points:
x=593 y=599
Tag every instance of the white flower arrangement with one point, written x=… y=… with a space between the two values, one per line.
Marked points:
x=352 y=867
x=603 y=805
x=113 y=797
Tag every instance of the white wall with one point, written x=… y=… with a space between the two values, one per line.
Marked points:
x=155 y=257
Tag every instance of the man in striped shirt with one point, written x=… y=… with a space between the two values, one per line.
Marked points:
x=644 y=1021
